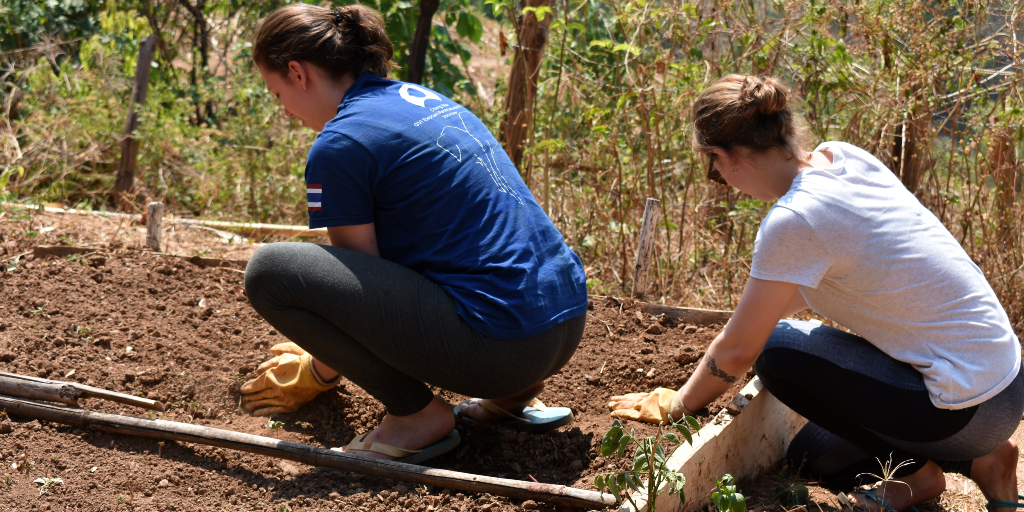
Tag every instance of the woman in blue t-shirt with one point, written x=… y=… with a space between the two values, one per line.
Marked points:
x=442 y=268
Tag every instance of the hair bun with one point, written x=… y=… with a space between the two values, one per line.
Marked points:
x=763 y=95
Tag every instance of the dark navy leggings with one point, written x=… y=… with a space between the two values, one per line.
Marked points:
x=862 y=404
x=392 y=331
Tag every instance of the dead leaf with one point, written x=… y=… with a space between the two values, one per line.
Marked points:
x=502 y=43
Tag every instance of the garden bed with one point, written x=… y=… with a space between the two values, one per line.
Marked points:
x=133 y=321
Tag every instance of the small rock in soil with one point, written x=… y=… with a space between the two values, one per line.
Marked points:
x=96 y=260
x=690 y=329
x=530 y=505
x=592 y=380
x=654 y=329
x=164 y=269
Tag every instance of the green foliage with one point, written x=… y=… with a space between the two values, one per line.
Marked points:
x=649 y=460
x=24 y=23
x=725 y=497
x=275 y=425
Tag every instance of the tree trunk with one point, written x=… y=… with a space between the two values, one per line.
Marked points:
x=1003 y=171
x=420 y=41
x=202 y=39
x=129 y=145
x=522 y=82
x=909 y=149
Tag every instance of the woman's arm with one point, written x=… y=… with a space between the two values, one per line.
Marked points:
x=736 y=348
x=360 y=238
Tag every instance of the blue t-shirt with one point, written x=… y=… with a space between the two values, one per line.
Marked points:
x=447 y=202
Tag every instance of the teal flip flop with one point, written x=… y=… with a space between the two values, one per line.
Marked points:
x=881 y=503
x=536 y=417
x=1014 y=504
x=402 y=455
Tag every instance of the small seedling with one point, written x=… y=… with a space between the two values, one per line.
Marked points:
x=275 y=424
x=282 y=508
x=83 y=332
x=37 y=310
x=304 y=424
x=192 y=407
x=649 y=460
x=13 y=263
x=9 y=481
x=160 y=449
x=121 y=498
x=792 y=496
x=725 y=496
x=31 y=465
x=75 y=258
x=46 y=484
x=3 y=414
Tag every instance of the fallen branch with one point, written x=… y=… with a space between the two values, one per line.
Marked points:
x=66 y=392
x=306 y=454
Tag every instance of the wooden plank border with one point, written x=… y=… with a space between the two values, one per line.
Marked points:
x=744 y=446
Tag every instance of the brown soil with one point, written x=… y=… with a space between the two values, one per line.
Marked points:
x=132 y=321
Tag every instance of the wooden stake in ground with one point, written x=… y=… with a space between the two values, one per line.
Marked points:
x=130 y=145
x=155 y=214
x=645 y=249
x=312 y=455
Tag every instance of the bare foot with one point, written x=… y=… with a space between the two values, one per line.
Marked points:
x=921 y=486
x=996 y=475
x=413 y=432
x=513 y=404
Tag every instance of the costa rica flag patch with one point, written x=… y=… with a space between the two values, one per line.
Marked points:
x=313 y=195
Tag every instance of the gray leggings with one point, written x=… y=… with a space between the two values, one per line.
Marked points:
x=390 y=330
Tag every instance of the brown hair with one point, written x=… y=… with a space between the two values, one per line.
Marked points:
x=341 y=41
x=747 y=111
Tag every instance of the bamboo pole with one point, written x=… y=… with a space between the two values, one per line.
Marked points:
x=306 y=454
x=249 y=228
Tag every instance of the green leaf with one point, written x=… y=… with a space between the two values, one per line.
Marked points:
x=672 y=437
x=685 y=432
x=4 y=177
x=603 y=43
x=610 y=442
x=540 y=12
x=470 y=26
x=623 y=443
x=694 y=424
x=623 y=47
x=613 y=486
x=631 y=482
x=599 y=482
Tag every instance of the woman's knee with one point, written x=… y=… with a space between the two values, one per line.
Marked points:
x=265 y=268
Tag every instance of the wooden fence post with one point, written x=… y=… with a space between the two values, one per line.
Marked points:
x=522 y=82
x=645 y=249
x=129 y=144
x=154 y=214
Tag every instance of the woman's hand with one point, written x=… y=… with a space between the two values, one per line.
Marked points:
x=285 y=382
x=654 y=407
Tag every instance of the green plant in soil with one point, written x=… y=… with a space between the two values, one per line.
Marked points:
x=725 y=497
x=793 y=495
x=274 y=425
x=46 y=483
x=650 y=461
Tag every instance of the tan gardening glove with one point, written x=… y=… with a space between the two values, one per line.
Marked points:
x=650 y=407
x=285 y=382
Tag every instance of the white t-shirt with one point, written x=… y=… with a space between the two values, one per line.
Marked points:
x=869 y=256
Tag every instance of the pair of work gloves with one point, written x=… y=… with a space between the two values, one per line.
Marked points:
x=284 y=383
x=653 y=407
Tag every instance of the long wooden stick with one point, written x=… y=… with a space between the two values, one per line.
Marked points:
x=24 y=386
x=306 y=454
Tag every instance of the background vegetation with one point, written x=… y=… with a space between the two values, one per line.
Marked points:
x=931 y=88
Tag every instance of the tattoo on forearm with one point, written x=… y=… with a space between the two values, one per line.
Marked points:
x=719 y=373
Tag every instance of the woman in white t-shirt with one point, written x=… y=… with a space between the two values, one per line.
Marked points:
x=932 y=375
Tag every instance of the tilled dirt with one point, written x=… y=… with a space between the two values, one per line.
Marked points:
x=136 y=322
